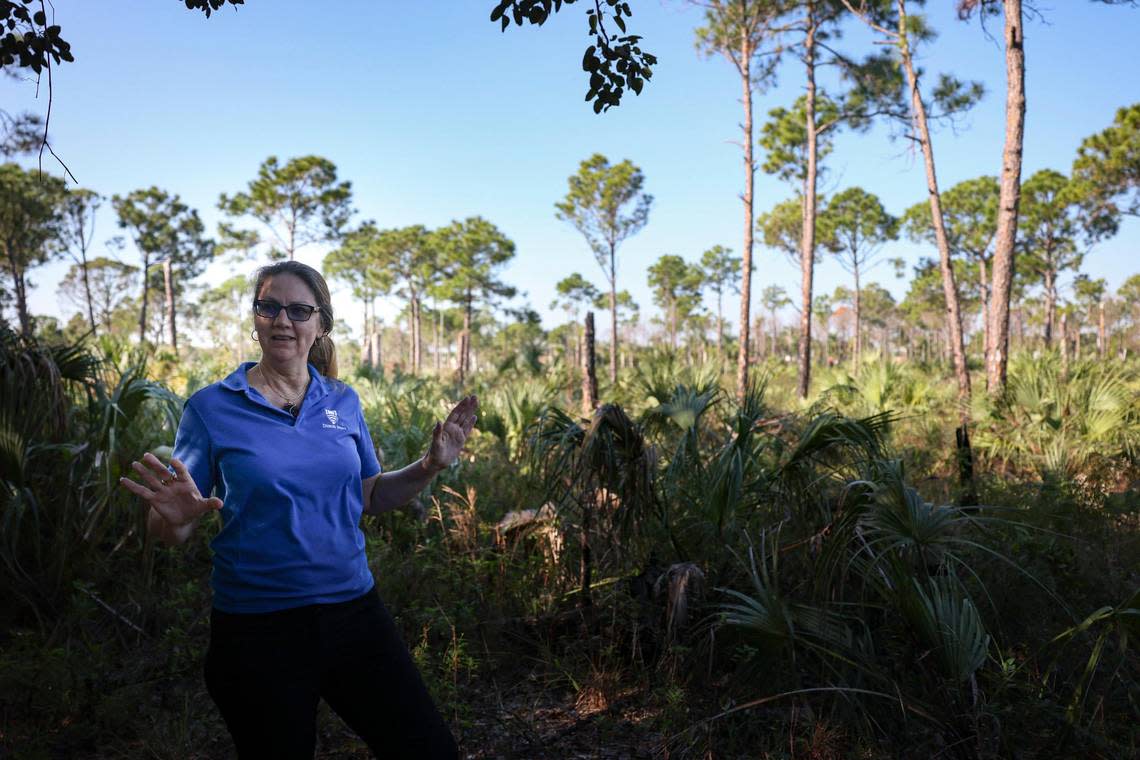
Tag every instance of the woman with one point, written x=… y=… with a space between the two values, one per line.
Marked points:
x=284 y=447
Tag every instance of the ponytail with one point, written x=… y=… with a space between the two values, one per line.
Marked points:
x=323 y=356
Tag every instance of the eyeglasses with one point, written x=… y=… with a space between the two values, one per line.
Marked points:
x=297 y=312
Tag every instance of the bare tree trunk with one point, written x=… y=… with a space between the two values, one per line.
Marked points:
x=417 y=342
x=858 y=319
x=589 y=373
x=719 y=330
x=578 y=356
x=145 y=298
x=168 y=285
x=21 y=293
x=673 y=326
x=375 y=349
x=1101 y=340
x=949 y=287
x=438 y=326
x=613 y=318
x=465 y=359
x=986 y=307
x=460 y=352
x=1050 y=306
x=1064 y=344
x=87 y=291
x=749 y=177
x=807 y=238
x=1010 y=197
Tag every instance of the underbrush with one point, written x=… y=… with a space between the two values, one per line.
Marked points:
x=679 y=574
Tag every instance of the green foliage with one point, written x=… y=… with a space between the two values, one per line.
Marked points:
x=1050 y=229
x=31 y=222
x=969 y=215
x=783 y=227
x=27 y=40
x=472 y=252
x=1107 y=167
x=573 y=292
x=299 y=203
x=784 y=138
x=69 y=423
x=746 y=33
x=676 y=288
x=1058 y=426
x=859 y=226
x=614 y=62
x=606 y=204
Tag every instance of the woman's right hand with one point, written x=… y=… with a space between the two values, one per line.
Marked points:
x=173 y=496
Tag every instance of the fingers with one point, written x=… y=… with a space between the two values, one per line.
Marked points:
x=155 y=464
x=148 y=476
x=213 y=503
x=138 y=490
x=180 y=471
x=467 y=405
x=464 y=413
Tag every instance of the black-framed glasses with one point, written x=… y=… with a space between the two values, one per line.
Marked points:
x=297 y=312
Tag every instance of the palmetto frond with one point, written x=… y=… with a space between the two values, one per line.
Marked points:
x=946 y=621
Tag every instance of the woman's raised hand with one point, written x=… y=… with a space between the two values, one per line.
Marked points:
x=173 y=496
x=448 y=437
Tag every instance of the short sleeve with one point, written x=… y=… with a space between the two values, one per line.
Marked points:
x=369 y=464
x=192 y=447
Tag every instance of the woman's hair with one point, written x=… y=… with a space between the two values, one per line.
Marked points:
x=322 y=355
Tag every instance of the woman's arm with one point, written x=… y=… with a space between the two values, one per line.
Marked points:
x=390 y=490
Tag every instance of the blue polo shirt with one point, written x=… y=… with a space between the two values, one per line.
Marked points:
x=291 y=489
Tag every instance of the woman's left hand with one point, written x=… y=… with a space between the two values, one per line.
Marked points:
x=448 y=437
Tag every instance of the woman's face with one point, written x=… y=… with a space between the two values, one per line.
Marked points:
x=284 y=342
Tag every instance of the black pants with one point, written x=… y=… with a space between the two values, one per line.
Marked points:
x=267 y=672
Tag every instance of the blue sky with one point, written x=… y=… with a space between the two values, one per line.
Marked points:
x=434 y=115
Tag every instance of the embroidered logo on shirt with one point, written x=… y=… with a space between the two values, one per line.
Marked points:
x=332 y=417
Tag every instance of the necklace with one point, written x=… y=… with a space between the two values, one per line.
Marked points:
x=292 y=403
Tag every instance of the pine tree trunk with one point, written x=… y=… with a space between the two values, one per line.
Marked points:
x=87 y=292
x=613 y=318
x=746 y=258
x=1101 y=339
x=417 y=342
x=673 y=326
x=858 y=319
x=1010 y=197
x=949 y=287
x=807 y=239
x=145 y=293
x=719 y=330
x=21 y=296
x=589 y=371
x=168 y=286
x=465 y=359
x=460 y=352
x=375 y=349
x=1050 y=306
x=438 y=325
x=1064 y=337
x=986 y=307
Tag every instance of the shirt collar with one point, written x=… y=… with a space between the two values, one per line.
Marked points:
x=239 y=381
